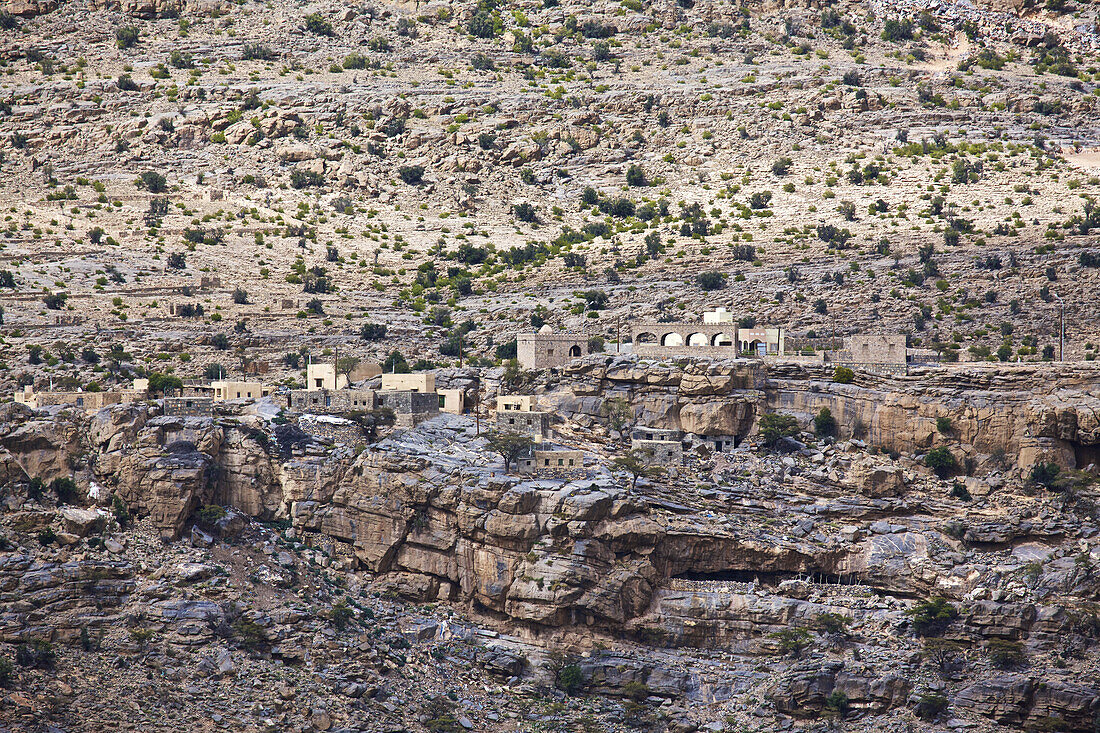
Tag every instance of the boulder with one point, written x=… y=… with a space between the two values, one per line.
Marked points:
x=83 y=522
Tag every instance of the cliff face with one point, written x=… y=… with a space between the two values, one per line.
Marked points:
x=736 y=549
x=1025 y=412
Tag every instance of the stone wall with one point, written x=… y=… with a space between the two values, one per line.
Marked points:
x=409 y=407
x=535 y=424
x=338 y=430
x=331 y=401
x=189 y=406
x=660 y=452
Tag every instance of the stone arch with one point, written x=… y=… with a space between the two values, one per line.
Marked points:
x=697 y=339
x=754 y=345
x=672 y=339
x=574 y=350
x=646 y=337
x=721 y=339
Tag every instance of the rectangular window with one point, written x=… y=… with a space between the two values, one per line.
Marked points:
x=546 y=461
x=442 y=401
x=561 y=462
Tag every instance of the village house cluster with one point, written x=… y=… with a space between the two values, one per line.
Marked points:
x=721 y=335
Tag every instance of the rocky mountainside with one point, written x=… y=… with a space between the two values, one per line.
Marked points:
x=215 y=186
x=201 y=189
x=841 y=581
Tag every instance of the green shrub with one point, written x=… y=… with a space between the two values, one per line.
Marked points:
x=6 y=671
x=930 y=705
x=38 y=655
x=843 y=375
x=837 y=701
x=153 y=182
x=249 y=633
x=210 y=513
x=1044 y=474
x=317 y=25
x=941 y=461
x=832 y=623
x=127 y=36
x=791 y=642
x=1005 y=654
x=66 y=491
x=411 y=174
x=340 y=614
x=775 y=426
x=943 y=425
x=959 y=491
x=570 y=679
x=47 y=536
x=306 y=179
x=932 y=617
x=712 y=280
x=484 y=24
x=824 y=423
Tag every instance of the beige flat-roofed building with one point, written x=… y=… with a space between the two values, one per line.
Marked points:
x=416 y=382
x=320 y=375
x=516 y=403
x=224 y=390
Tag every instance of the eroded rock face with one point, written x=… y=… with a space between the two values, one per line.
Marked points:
x=805 y=688
x=1011 y=410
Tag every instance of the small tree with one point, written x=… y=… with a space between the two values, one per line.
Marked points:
x=712 y=280
x=825 y=423
x=509 y=445
x=240 y=296
x=775 y=426
x=162 y=383
x=791 y=642
x=618 y=412
x=316 y=24
x=1044 y=474
x=1005 y=654
x=637 y=464
x=941 y=461
x=411 y=174
x=345 y=365
x=153 y=182
x=932 y=617
x=782 y=166
x=372 y=332
x=127 y=36
x=526 y=212
x=635 y=176
x=843 y=375
x=55 y=301
x=120 y=510
x=833 y=624
x=395 y=364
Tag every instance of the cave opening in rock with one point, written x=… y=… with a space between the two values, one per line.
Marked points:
x=1086 y=455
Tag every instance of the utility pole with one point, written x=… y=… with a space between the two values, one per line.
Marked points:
x=618 y=339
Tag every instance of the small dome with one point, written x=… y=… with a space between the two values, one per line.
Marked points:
x=545 y=328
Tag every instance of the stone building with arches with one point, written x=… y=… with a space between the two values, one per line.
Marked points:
x=717 y=335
